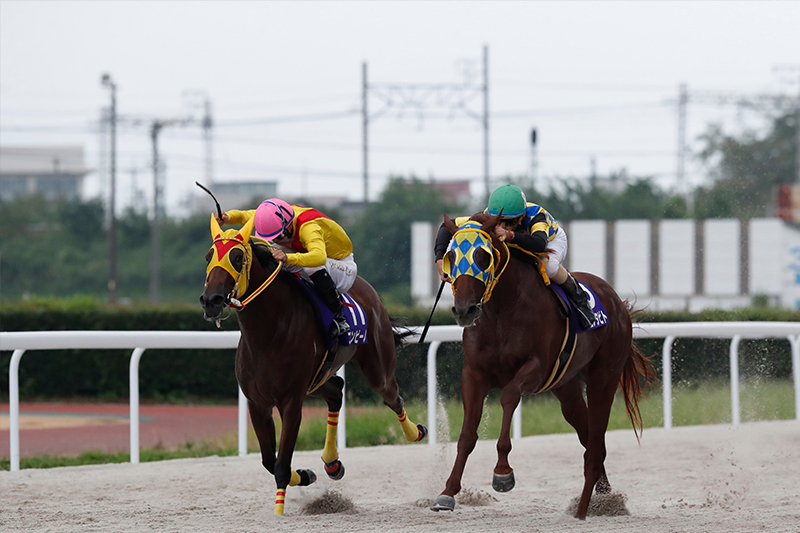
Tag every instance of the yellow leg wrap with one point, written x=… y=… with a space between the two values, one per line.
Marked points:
x=295 y=479
x=409 y=428
x=330 y=453
x=279 y=500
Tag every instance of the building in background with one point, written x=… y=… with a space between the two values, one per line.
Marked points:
x=52 y=171
x=454 y=192
x=787 y=203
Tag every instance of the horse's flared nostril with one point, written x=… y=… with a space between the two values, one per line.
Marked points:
x=213 y=301
x=466 y=316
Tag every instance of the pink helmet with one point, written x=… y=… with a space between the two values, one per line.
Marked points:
x=273 y=216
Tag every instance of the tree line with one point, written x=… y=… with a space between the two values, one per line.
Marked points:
x=57 y=248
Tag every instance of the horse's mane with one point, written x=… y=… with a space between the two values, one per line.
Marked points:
x=263 y=253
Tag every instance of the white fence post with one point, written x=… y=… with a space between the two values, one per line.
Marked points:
x=432 y=390
x=734 y=357
x=666 y=373
x=133 y=379
x=341 y=429
x=13 y=408
x=242 y=423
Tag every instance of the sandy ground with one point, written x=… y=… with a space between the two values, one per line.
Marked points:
x=690 y=479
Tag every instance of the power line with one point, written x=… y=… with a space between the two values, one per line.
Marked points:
x=289 y=118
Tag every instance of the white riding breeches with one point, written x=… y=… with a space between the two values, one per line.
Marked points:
x=343 y=271
x=559 y=251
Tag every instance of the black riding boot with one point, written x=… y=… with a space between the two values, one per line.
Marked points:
x=579 y=300
x=326 y=289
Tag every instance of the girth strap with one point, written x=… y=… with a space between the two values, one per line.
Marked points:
x=564 y=358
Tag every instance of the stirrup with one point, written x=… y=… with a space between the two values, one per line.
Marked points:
x=341 y=327
x=584 y=319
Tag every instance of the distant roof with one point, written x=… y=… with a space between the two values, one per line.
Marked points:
x=42 y=160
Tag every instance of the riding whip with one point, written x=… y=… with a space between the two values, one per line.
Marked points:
x=219 y=209
x=428 y=323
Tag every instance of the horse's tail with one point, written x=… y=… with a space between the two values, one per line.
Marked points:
x=400 y=331
x=632 y=387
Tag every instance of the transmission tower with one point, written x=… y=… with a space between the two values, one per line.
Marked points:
x=422 y=97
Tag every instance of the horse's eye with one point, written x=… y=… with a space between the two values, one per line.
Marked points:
x=237 y=258
x=482 y=259
x=209 y=255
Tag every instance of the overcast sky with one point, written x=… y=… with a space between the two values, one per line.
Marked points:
x=598 y=80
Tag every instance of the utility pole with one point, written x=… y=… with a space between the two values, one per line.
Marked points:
x=106 y=81
x=683 y=99
x=364 y=130
x=534 y=160
x=155 y=228
x=208 y=125
x=486 y=120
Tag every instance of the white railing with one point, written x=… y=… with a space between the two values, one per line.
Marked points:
x=140 y=341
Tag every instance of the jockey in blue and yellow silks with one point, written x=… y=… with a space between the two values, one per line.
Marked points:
x=530 y=227
x=308 y=243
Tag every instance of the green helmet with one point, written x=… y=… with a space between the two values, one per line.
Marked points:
x=510 y=199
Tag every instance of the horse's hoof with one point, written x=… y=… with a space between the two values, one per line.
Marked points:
x=503 y=483
x=335 y=470
x=444 y=503
x=307 y=477
x=423 y=432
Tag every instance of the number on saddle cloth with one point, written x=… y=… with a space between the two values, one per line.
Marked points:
x=353 y=313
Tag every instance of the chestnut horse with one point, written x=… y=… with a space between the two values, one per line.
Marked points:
x=514 y=330
x=282 y=349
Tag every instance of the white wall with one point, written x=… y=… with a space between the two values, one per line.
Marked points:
x=587 y=247
x=767 y=250
x=421 y=259
x=632 y=258
x=721 y=257
x=676 y=269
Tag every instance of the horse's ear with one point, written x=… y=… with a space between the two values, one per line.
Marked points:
x=449 y=224
x=216 y=231
x=491 y=222
x=247 y=229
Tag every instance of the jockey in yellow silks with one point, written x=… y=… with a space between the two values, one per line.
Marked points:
x=308 y=243
x=533 y=229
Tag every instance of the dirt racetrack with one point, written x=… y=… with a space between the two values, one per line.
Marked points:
x=689 y=479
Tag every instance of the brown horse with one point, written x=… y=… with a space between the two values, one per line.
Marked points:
x=282 y=349
x=514 y=330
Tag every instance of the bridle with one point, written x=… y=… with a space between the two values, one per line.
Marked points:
x=470 y=237
x=221 y=248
